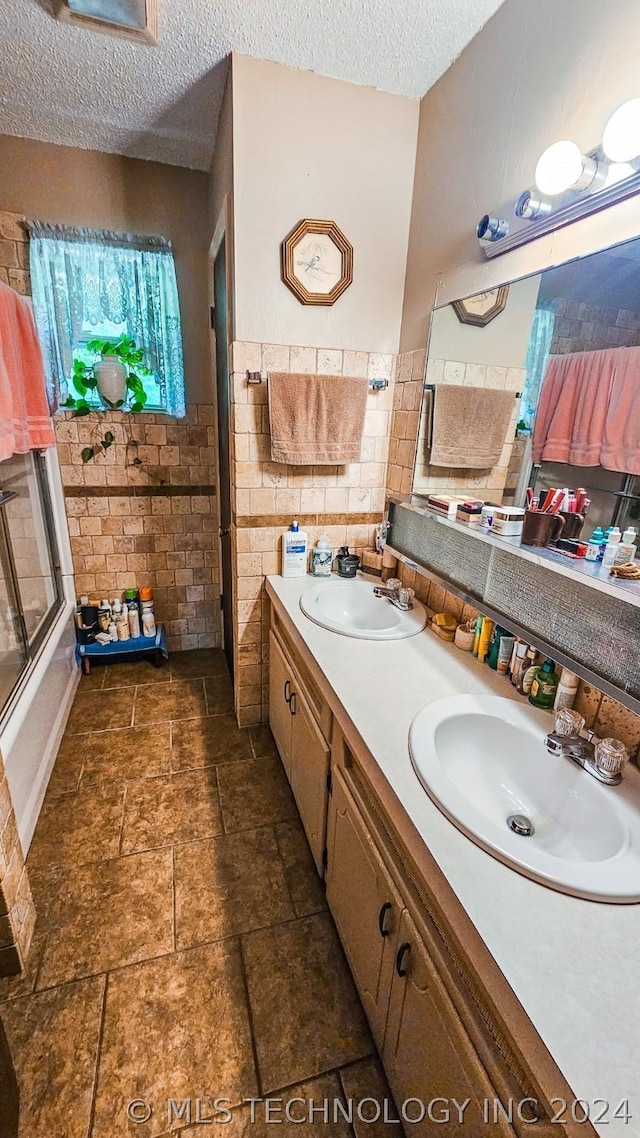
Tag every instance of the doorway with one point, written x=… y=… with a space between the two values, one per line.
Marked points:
x=220 y=325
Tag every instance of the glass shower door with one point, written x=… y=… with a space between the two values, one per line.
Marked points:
x=13 y=643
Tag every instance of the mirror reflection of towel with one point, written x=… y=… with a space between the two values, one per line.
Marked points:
x=316 y=420
x=470 y=425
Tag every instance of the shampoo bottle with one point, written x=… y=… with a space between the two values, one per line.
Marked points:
x=294 y=552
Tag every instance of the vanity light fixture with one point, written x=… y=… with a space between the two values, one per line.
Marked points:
x=569 y=185
x=621 y=138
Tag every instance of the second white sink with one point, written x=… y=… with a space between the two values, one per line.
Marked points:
x=351 y=608
x=483 y=761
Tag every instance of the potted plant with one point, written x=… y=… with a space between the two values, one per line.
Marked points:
x=114 y=380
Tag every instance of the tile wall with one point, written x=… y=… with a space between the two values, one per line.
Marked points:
x=17 y=910
x=342 y=502
x=153 y=524
x=583 y=327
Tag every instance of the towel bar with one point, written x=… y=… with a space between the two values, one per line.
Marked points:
x=259 y=376
x=432 y=387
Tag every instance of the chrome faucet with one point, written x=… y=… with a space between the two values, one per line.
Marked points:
x=393 y=591
x=583 y=752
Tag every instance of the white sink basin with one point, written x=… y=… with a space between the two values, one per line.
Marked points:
x=482 y=760
x=351 y=608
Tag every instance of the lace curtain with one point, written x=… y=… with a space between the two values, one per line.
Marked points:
x=85 y=277
x=537 y=358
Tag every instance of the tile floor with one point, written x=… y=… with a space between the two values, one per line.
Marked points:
x=183 y=948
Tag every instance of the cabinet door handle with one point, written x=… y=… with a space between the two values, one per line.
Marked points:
x=287 y=684
x=292 y=703
x=402 y=952
x=381 y=916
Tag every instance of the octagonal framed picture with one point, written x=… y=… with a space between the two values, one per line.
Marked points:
x=316 y=261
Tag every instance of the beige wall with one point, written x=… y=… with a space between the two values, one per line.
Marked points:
x=106 y=191
x=535 y=74
x=309 y=146
x=502 y=343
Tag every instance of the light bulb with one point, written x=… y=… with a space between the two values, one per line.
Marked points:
x=617 y=172
x=621 y=138
x=563 y=167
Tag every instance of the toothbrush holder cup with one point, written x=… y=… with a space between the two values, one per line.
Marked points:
x=541 y=529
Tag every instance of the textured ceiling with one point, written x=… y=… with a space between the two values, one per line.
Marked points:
x=82 y=88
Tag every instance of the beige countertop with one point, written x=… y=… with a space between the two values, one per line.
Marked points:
x=570 y=962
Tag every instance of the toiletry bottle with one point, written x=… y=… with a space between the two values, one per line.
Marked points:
x=494 y=646
x=147 y=615
x=544 y=685
x=505 y=649
x=593 y=545
x=294 y=552
x=521 y=651
x=104 y=615
x=604 y=543
x=567 y=690
x=113 y=631
x=321 y=558
x=528 y=671
x=626 y=550
x=611 y=548
x=485 y=638
x=476 y=639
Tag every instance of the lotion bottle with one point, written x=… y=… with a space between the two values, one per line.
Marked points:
x=294 y=552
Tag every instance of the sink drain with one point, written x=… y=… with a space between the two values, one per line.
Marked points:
x=520 y=824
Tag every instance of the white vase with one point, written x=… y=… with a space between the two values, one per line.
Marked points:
x=111 y=377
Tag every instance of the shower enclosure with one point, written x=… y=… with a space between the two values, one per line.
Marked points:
x=30 y=581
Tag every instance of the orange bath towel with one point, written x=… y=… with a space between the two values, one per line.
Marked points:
x=25 y=423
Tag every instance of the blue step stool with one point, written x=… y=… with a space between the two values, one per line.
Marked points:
x=121 y=650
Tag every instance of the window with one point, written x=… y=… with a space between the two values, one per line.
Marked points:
x=90 y=285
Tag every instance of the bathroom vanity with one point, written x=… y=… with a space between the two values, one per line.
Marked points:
x=478 y=983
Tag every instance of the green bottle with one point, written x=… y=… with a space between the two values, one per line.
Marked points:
x=544 y=686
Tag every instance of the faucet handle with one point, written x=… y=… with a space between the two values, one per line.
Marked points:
x=611 y=756
x=394 y=583
x=405 y=596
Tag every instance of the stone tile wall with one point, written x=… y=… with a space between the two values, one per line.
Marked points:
x=154 y=524
x=17 y=910
x=581 y=327
x=342 y=502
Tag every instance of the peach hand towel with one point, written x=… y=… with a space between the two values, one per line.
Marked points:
x=572 y=413
x=316 y=420
x=25 y=422
x=470 y=425
x=621 y=438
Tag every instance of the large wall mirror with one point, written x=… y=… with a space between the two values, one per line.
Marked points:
x=538 y=383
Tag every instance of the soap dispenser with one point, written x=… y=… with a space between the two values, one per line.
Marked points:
x=322 y=558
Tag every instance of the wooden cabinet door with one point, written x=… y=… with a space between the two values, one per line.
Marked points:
x=280 y=689
x=427 y=1053
x=310 y=758
x=365 y=904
